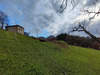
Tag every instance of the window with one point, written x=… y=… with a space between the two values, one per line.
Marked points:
x=20 y=29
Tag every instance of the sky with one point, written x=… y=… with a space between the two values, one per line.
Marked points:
x=44 y=16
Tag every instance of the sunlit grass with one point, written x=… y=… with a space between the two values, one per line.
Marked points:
x=27 y=56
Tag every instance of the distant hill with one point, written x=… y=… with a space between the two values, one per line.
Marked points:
x=27 y=56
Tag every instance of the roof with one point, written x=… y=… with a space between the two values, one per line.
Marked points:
x=14 y=26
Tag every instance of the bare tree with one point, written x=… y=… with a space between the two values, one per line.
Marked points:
x=82 y=27
x=3 y=19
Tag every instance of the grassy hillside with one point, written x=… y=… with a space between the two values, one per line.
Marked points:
x=26 y=56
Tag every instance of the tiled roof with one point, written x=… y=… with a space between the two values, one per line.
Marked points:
x=14 y=26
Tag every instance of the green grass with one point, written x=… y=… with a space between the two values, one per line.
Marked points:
x=27 y=56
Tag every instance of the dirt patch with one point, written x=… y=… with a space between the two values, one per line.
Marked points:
x=60 y=44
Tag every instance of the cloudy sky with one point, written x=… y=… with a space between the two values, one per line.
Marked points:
x=43 y=15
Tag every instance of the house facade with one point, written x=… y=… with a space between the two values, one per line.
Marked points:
x=15 y=28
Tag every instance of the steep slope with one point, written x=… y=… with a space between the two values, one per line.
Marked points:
x=27 y=56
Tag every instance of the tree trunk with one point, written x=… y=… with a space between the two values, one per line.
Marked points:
x=95 y=38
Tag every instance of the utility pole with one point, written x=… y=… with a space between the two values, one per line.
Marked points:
x=37 y=32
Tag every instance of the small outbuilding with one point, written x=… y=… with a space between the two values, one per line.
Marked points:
x=15 y=28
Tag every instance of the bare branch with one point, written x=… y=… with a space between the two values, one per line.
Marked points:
x=73 y=4
x=64 y=4
x=96 y=13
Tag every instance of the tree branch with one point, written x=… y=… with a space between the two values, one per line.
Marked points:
x=64 y=5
